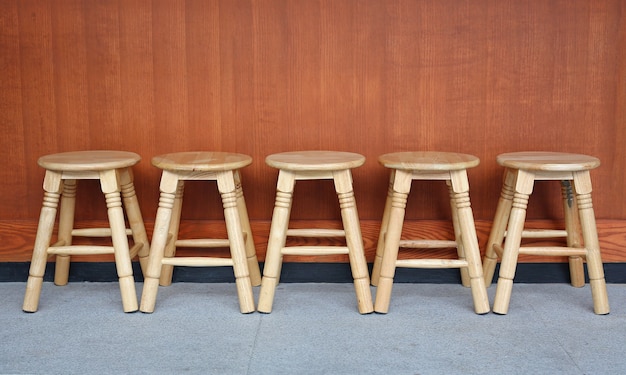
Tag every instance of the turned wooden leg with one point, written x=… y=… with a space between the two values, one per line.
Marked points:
x=52 y=194
x=401 y=189
x=66 y=225
x=508 y=265
x=498 y=228
x=167 y=270
x=465 y=222
x=354 y=239
x=383 y=233
x=277 y=239
x=574 y=233
x=226 y=187
x=582 y=185
x=110 y=187
x=458 y=237
x=169 y=186
x=253 y=262
x=135 y=219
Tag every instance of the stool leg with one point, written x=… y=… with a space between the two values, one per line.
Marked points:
x=277 y=239
x=110 y=187
x=167 y=270
x=135 y=219
x=354 y=239
x=582 y=185
x=227 y=188
x=458 y=236
x=383 y=233
x=169 y=187
x=462 y=207
x=574 y=234
x=52 y=194
x=401 y=189
x=500 y=221
x=523 y=189
x=253 y=263
x=66 y=225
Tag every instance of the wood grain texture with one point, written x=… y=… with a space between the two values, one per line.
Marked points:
x=479 y=77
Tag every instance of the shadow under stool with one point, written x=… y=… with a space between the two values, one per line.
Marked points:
x=63 y=170
x=223 y=168
x=522 y=169
x=315 y=165
x=445 y=166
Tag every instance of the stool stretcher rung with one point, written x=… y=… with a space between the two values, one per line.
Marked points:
x=431 y=263
x=197 y=262
x=314 y=250
x=543 y=233
x=96 y=232
x=553 y=251
x=203 y=242
x=134 y=250
x=80 y=250
x=427 y=244
x=316 y=232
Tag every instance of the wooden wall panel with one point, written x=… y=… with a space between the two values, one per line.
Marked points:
x=15 y=179
x=258 y=77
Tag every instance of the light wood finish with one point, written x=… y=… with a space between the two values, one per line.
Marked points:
x=223 y=168
x=113 y=169
x=315 y=165
x=451 y=168
x=522 y=169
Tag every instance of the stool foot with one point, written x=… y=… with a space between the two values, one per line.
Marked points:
x=129 y=295
x=576 y=272
x=363 y=296
x=266 y=296
x=254 y=270
x=479 y=295
x=600 y=297
x=376 y=270
x=246 y=298
x=149 y=293
x=383 y=295
x=61 y=270
x=503 y=296
x=33 y=292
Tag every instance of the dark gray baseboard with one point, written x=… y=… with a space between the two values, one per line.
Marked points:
x=307 y=272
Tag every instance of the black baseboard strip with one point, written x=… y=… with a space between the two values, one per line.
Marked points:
x=308 y=273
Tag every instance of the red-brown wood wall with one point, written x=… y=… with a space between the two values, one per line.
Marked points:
x=258 y=77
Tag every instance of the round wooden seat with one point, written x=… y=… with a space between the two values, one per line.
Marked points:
x=547 y=161
x=428 y=161
x=522 y=169
x=315 y=160
x=99 y=160
x=428 y=165
x=63 y=170
x=201 y=161
x=315 y=165
x=222 y=167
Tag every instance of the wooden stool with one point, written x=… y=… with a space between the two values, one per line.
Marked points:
x=452 y=168
x=201 y=166
x=522 y=170
x=113 y=169
x=315 y=165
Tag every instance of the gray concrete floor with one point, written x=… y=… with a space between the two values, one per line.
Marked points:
x=314 y=329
